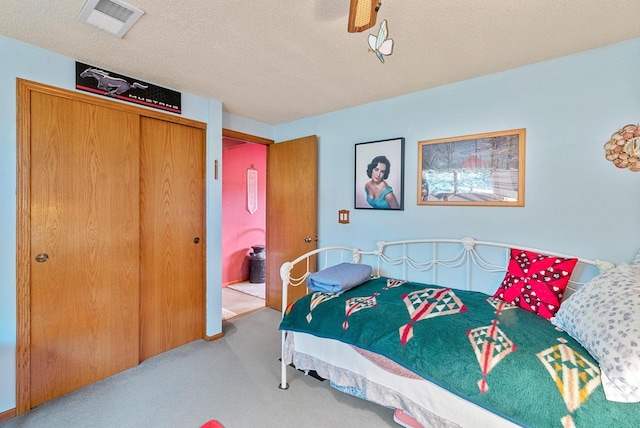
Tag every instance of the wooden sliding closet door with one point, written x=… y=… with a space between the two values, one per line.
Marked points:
x=172 y=310
x=84 y=259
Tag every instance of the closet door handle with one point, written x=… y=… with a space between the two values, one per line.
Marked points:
x=196 y=240
x=42 y=257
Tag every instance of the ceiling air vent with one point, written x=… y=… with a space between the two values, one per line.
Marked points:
x=113 y=16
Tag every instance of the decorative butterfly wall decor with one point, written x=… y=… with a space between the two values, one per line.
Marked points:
x=381 y=44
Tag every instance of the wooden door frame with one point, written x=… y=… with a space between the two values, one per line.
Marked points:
x=228 y=133
x=24 y=88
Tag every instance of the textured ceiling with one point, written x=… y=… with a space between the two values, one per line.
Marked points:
x=280 y=61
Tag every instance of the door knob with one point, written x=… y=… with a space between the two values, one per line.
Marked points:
x=307 y=239
x=42 y=257
x=196 y=240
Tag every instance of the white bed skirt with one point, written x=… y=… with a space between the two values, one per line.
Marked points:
x=430 y=404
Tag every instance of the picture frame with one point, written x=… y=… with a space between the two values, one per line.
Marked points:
x=379 y=175
x=473 y=170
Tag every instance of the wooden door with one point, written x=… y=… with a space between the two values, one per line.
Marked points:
x=291 y=210
x=171 y=236
x=84 y=244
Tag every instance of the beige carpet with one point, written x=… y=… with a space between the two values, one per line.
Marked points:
x=233 y=379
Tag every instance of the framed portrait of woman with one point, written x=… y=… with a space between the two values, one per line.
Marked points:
x=379 y=175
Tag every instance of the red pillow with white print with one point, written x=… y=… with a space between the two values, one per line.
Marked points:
x=536 y=282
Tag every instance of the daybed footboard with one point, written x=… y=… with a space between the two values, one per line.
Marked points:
x=322 y=258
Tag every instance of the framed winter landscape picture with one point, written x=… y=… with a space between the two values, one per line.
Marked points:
x=482 y=169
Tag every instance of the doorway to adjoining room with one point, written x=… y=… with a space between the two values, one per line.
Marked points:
x=244 y=179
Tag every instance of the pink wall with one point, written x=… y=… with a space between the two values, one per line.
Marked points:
x=241 y=229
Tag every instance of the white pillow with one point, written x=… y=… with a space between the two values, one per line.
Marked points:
x=604 y=316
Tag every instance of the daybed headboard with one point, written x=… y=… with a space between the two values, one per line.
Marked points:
x=456 y=263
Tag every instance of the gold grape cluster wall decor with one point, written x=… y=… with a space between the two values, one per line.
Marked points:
x=623 y=149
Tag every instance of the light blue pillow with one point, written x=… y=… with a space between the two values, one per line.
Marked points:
x=604 y=317
x=339 y=278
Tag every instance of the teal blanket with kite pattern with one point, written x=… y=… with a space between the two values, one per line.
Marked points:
x=510 y=361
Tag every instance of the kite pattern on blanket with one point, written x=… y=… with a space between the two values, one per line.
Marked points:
x=427 y=303
x=508 y=360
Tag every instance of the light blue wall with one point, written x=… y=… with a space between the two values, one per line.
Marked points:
x=248 y=126
x=576 y=202
x=214 y=218
x=27 y=62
